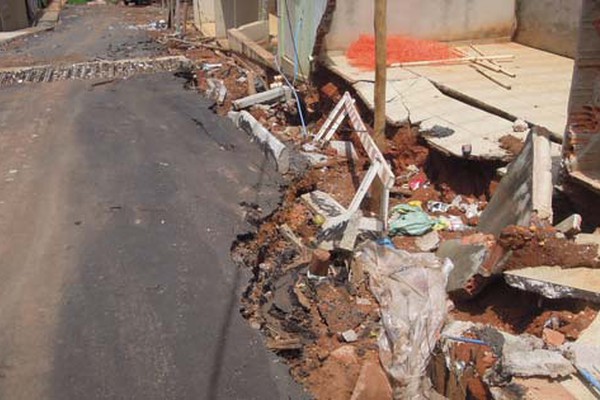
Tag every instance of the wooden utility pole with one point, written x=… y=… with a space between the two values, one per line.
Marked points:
x=380 y=25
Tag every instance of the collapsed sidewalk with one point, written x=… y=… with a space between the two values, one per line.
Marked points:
x=473 y=290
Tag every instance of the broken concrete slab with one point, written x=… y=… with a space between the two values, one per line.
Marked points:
x=537 y=362
x=428 y=242
x=323 y=204
x=526 y=189
x=344 y=149
x=349 y=336
x=268 y=96
x=475 y=259
x=556 y=283
x=589 y=238
x=272 y=146
x=446 y=123
x=242 y=44
x=570 y=226
x=314 y=158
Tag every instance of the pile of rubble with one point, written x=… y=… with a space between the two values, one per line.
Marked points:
x=457 y=285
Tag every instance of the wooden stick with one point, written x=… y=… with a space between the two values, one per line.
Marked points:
x=495 y=68
x=499 y=68
x=491 y=78
x=459 y=60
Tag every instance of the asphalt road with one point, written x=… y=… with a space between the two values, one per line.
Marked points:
x=118 y=207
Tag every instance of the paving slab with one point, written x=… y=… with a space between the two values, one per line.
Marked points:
x=446 y=123
x=539 y=93
x=556 y=282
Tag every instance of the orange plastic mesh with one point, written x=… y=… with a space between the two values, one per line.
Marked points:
x=361 y=53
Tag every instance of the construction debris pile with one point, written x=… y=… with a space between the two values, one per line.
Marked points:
x=452 y=282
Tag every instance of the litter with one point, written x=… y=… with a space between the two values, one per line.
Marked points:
x=437 y=207
x=409 y=220
x=411 y=290
x=416 y=183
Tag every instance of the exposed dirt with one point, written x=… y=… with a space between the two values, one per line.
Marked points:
x=535 y=246
x=511 y=144
x=516 y=311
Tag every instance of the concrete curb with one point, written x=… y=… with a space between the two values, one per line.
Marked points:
x=47 y=21
x=272 y=146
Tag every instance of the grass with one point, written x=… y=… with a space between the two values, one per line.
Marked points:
x=77 y=1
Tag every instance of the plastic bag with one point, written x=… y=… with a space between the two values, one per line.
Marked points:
x=406 y=219
x=411 y=290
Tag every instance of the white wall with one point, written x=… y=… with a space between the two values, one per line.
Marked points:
x=428 y=19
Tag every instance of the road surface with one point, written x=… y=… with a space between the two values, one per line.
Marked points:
x=118 y=207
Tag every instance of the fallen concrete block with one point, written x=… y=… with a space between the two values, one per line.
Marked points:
x=476 y=258
x=314 y=158
x=349 y=336
x=272 y=146
x=323 y=204
x=537 y=362
x=525 y=189
x=428 y=242
x=570 y=226
x=344 y=148
x=557 y=283
x=589 y=238
x=268 y=96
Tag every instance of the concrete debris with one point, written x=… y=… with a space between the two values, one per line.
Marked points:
x=274 y=148
x=520 y=126
x=491 y=361
x=314 y=158
x=428 y=242
x=349 y=336
x=269 y=96
x=557 y=283
x=525 y=190
x=344 y=149
x=92 y=70
x=570 y=226
x=217 y=90
x=589 y=238
x=323 y=204
x=476 y=258
x=537 y=362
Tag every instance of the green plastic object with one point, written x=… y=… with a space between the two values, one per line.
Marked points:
x=410 y=220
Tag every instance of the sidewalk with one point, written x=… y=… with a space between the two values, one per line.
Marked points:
x=47 y=21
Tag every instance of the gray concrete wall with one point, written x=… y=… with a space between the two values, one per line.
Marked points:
x=234 y=13
x=549 y=25
x=13 y=15
x=443 y=20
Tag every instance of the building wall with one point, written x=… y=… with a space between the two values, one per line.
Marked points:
x=13 y=15
x=442 y=20
x=582 y=137
x=549 y=25
x=303 y=17
x=235 y=13
x=225 y=14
